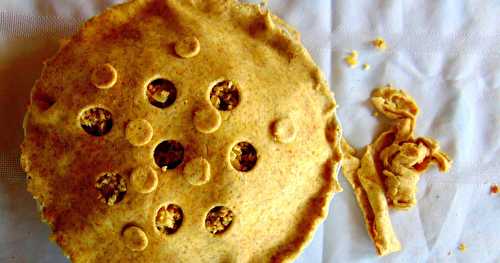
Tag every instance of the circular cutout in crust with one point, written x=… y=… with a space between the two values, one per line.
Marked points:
x=243 y=156
x=218 y=220
x=111 y=188
x=161 y=93
x=169 y=219
x=225 y=95
x=169 y=154
x=96 y=121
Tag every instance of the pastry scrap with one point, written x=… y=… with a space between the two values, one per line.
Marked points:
x=386 y=175
x=405 y=157
x=462 y=247
x=182 y=131
x=352 y=59
x=370 y=195
x=494 y=189
x=379 y=43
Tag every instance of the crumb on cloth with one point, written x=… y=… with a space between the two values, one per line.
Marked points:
x=379 y=43
x=352 y=59
x=494 y=189
x=462 y=247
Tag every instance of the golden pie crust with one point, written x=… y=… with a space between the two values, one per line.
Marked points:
x=133 y=159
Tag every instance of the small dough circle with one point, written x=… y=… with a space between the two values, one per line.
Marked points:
x=197 y=171
x=135 y=238
x=207 y=120
x=104 y=76
x=187 y=47
x=284 y=130
x=139 y=132
x=144 y=179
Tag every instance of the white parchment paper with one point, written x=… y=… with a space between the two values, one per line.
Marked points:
x=445 y=53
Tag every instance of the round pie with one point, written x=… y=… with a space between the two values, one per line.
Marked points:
x=182 y=131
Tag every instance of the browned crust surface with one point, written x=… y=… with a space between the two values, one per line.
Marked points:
x=277 y=205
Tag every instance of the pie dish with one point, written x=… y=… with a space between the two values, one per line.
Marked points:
x=182 y=131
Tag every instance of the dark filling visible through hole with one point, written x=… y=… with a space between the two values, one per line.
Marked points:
x=225 y=96
x=96 y=121
x=169 y=154
x=169 y=219
x=243 y=157
x=218 y=220
x=111 y=188
x=161 y=93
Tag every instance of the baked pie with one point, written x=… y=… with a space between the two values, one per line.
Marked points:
x=182 y=131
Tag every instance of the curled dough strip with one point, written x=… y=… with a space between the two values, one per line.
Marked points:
x=388 y=172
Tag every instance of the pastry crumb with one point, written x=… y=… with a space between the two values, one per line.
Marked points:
x=494 y=189
x=352 y=59
x=366 y=66
x=462 y=247
x=379 y=43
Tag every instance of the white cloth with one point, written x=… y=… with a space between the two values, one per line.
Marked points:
x=446 y=54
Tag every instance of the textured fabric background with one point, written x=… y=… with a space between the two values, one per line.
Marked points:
x=445 y=53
